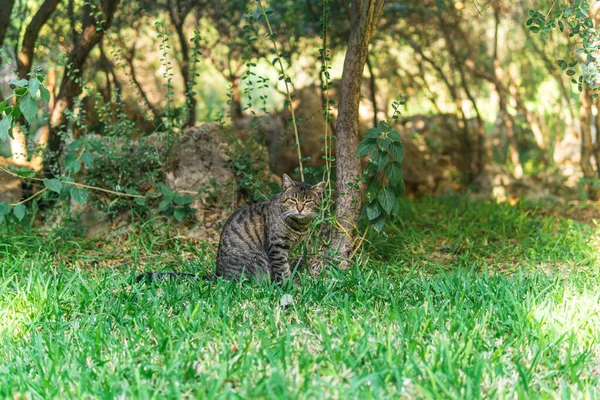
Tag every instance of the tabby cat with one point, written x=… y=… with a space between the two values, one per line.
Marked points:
x=256 y=240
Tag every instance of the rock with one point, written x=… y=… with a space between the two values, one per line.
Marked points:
x=499 y=183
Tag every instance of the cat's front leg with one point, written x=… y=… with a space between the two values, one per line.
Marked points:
x=280 y=268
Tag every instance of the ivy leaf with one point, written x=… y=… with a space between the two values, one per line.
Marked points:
x=5 y=125
x=387 y=199
x=28 y=107
x=373 y=211
x=366 y=146
x=394 y=136
x=72 y=163
x=53 y=184
x=45 y=94
x=3 y=106
x=19 y=211
x=34 y=86
x=4 y=208
x=79 y=195
x=394 y=172
x=396 y=149
x=374 y=133
x=378 y=224
x=372 y=189
x=20 y=82
x=88 y=159
x=381 y=159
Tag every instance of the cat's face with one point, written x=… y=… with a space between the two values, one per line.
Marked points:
x=299 y=200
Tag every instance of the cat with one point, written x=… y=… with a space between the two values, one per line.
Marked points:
x=256 y=240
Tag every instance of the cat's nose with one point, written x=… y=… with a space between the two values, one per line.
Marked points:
x=299 y=207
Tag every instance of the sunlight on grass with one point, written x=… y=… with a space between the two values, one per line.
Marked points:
x=402 y=325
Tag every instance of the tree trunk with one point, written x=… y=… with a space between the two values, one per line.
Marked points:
x=178 y=18
x=25 y=57
x=18 y=145
x=70 y=86
x=6 y=6
x=364 y=17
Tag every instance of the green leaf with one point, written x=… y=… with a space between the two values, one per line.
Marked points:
x=570 y=72
x=164 y=205
x=72 y=163
x=384 y=143
x=74 y=145
x=79 y=195
x=387 y=198
x=396 y=149
x=179 y=214
x=373 y=211
x=183 y=200
x=45 y=94
x=19 y=211
x=5 y=208
x=372 y=190
x=394 y=136
x=140 y=201
x=34 y=86
x=366 y=146
x=5 y=125
x=53 y=184
x=28 y=107
x=3 y=106
x=88 y=159
x=378 y=224
x=394 y=171
x=20 y=82
x=374 y=133
x=381 y=159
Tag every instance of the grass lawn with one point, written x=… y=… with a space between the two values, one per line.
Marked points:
x=461 y=299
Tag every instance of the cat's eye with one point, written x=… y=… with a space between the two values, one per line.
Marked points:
x=291 y=200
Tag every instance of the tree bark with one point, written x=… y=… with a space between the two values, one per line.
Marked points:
x=18 y=145
x=364 y=17
x=6 y=6
x=25 y=57
x=70 y=86
x=130 y=57
x=178 y=16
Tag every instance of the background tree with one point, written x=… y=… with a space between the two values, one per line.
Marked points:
x=95 y=23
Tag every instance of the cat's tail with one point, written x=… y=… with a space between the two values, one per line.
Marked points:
x=154 y=276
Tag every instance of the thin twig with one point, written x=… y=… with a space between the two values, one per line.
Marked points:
x=80 y=185
x=30 y=198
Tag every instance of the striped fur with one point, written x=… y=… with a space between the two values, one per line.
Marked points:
x=256 y=240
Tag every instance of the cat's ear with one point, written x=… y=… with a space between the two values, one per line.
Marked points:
x=319 y=188
x=288 y=183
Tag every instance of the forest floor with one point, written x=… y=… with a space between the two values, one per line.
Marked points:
x=460 y=299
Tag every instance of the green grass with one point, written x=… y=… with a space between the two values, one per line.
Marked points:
x=461 y=300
